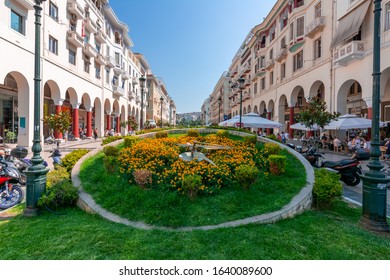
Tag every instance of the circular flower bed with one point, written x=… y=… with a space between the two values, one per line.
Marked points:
x=161 y=158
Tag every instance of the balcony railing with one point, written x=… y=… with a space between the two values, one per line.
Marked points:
x=270 y=64
x=125 y=75
x=350 y=51
x=131 y=95
x=134 y=80
x=315 y=27
x=100 y=59
x=100 y=36
x=282 y=54
x=90 y=25
x=110 y=61
x=75 y=39
x=246 y=68
x=89 y=50
x=118 y=91
x=75 y=9
x=118 y=69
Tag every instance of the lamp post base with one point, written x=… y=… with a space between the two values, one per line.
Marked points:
x=35 y=187
x=378 y=226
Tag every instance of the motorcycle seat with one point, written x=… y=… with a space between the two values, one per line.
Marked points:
x=333 y=164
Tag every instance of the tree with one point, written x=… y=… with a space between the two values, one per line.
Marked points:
x=316 y=113
x=58 y=122
x=130 y=122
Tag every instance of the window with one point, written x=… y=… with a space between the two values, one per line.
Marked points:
x=115 y=80
x=72 y=57
x=283 y=43
x=108 y=50
x=262 y=61
x=283 y=19
x=271 y=78
x=53 y=45
x=86 y=64
x=263 y=41
x=263 y=83
x=299 y=3
x=291 y=31
x=298 y=61
x=255 y=88
x=87 y=35
x=72 y=26
x=117 y=59
x=283 y=71
x=271 y=54
x=107 y=75
x=299 y=101
x=117 y=38
x=17 y=22
x=53 y=11
x=317 y=48
x=387 y=16
x=97 y=72
x=98 y=47
x=300 y=26
x=272 y=33
x=317 y=10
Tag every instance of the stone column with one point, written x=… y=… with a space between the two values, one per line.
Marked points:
x=58 y=134
x=89 y=123
x=118 y=124
x=291 y=121
x=75 y=121
x=108 y=121
x=269 y=117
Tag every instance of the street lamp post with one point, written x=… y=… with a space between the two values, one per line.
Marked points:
x=161 y=101
x=241 y=82
x=142 y=80
x=36 y=174
x=219 y=108
x=374 y=181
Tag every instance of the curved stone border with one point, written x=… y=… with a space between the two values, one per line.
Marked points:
x=301 y=202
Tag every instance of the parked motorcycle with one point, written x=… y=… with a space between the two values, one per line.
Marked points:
x=10 y=192
x=348 y=169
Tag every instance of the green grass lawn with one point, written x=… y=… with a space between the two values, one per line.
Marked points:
x=166 y=208
x=332 y=234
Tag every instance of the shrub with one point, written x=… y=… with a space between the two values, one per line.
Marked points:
x=273 y=137
x=272 y=149
x=223 y=133
x=161 y=134
x=326 y=188
x=246 y=175
x=250 y=140
x=110 y=163
x=62 y=194
x=110 y=139
x=57 y=175
x=111 y=151
x=129 y=141
x=143 y=178
x=70 y=159
x=193 y=133
x=191 y=185
x=277 y=164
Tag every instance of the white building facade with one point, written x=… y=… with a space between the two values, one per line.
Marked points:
x=306 y=48
x=87 y=67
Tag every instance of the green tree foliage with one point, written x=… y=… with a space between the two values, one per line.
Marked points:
x=58 y=122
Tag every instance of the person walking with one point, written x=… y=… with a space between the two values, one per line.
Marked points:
x=95 y=134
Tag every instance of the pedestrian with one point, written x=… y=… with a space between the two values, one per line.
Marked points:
x=66 y=135
x=283 y=137
x=95 y=133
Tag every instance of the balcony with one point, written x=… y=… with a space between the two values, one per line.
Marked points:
x=131 y=95
x=117 y=91
x=349 y=52
x=270 y=64
x=282 y=54
x=137 y=100
x=110 y=61
x=89 y=50
x=100 y=59
x=75 y=9
x=90 y=25
x=75 y=39
x=118 y=69
x=125 y=75
x=134 y=81
x=315 y=27
x=246 y=68
x=246 y=96
x=100 y=36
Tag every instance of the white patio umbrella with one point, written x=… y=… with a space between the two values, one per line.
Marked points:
x=350 y=122
x=254 y=120
x=230 y=122
x=301 y=126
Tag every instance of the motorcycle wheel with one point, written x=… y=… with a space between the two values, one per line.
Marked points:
x=15 y=197
x=352 y=180
x=23 y=178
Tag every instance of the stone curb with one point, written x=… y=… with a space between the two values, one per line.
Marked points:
x=301 y=202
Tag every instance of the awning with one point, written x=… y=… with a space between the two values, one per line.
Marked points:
x=349 y=24
x=295 y=47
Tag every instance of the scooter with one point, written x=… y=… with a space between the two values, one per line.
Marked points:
x=348 y=169
x=10 y=192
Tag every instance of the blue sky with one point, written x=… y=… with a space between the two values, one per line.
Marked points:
x=189 y=43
